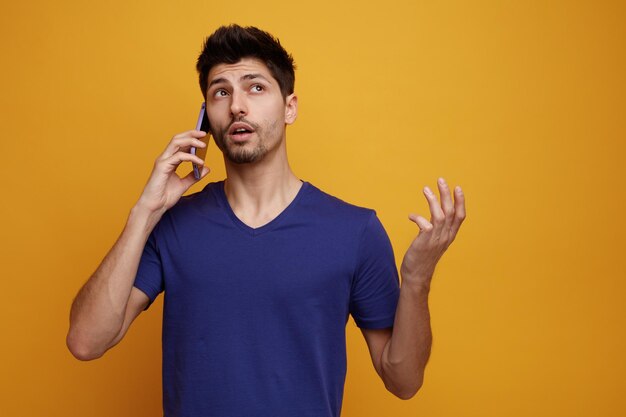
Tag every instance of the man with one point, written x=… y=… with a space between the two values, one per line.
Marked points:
x=261 y=271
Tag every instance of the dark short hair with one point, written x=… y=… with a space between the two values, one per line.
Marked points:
x=229 y=44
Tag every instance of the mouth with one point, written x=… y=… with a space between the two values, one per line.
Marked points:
x=240 y=131
x=241 y=136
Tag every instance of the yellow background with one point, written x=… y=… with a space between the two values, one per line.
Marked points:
x=521 y=103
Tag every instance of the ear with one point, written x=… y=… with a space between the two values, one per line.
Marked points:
x=291 y=108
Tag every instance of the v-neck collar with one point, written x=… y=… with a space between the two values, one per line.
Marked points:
x=255 y=231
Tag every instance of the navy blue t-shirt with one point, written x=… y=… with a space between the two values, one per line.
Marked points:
x=254 y=318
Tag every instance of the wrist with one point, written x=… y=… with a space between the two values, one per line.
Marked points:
x=418 y=284
x=143 y=218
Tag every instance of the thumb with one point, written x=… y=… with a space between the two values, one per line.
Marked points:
x=423 y=224
x=205 y=172
x=190 y=180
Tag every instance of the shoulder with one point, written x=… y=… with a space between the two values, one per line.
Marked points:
x=189 y=209
x=325 y=200
x=202 y=200
x=330 y=207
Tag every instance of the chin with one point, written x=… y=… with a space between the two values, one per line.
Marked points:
x=246 y=157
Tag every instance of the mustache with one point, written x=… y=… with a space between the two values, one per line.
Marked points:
x=241 y=120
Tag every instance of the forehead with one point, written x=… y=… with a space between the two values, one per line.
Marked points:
x=233 y=72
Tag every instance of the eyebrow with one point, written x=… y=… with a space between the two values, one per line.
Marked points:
x=243 y=78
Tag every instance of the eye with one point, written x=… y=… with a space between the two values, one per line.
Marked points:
x=257 y=88
x=220 y=93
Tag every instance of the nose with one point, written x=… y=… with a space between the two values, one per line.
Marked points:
x=238 y=106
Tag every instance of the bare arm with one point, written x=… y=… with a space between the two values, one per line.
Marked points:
x=98 y=311
x=106 y=304
x=400 y=354
x=403 y=372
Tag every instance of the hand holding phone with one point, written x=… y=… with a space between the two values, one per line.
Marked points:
x=201 y=124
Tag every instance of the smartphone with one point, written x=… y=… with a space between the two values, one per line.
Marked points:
x=201 y=124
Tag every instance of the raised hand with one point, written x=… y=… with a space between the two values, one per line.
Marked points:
x=435 y=235
x=165 y=187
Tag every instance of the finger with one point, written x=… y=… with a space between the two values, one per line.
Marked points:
x=424 y=225
x=459 y=211
x=181 y=144
x=180 y=157
x=186 y=141
x=446 y=203
x=190 y=179
x=190 y=133
x=437 y=217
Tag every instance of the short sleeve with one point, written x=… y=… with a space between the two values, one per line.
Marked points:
x=375 y=286
x=149 y=277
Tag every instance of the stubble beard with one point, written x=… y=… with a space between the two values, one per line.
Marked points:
x=237 y=152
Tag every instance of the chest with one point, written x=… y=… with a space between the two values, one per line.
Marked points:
x=297 y=265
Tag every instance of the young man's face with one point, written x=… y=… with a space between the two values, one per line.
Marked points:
x=246 y=110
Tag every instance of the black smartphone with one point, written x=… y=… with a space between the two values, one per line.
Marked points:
x=201 y=124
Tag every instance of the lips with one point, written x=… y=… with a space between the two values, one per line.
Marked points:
x=240 y=129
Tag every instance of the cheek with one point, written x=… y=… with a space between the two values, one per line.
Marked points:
x=217 y=110
x=269 y=127
x=216 y=125
x=276 y=118
x=275 y=125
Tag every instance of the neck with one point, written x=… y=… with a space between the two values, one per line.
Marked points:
x=257 y=192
